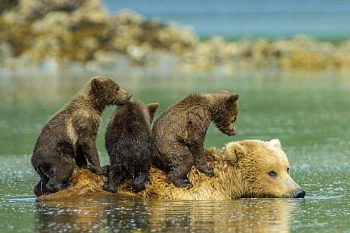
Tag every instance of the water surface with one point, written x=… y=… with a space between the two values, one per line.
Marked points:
x=308 y=112
x=249 y=18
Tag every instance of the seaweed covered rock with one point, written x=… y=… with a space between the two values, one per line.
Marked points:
x=7 y=5
x=76 y=30
x=83 y=32
x=300 y=53
x=31 y=10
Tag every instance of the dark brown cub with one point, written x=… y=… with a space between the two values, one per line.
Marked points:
x=179 y=133
x=68 y=139
x=129 y=144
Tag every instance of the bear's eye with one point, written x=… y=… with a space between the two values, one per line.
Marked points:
x=288 y=170
x=272 y=173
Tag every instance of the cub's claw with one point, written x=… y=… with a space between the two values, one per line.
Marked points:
x=209 y=171
x=183 y=183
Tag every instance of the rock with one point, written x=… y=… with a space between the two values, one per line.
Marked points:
x=7 y=5
x=60 y=32
x=31 y=10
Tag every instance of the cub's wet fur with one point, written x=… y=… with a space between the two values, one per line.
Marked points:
x=129 y=144
x=68 y=139
x=180 y=132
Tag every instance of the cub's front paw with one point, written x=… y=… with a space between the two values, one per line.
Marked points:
x=209 y=171
x=183 y=183
x=138 y=187
x=110 y=188
x=102 y=171
x=69 y=185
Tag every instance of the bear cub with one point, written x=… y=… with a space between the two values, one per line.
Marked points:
x=180 y=131
x=129 y=144
x=68 y=139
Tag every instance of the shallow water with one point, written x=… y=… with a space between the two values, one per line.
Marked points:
x=309 y=113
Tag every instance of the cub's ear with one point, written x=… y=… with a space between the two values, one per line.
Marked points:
x=152 y=108
x=95 y=84
x=233 y=151
x=233 y=98
x=275 y=143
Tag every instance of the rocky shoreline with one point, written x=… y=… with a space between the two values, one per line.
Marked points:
x=82 y=35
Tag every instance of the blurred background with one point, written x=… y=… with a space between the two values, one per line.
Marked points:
x=225 y=36
x=289 y=61
x=322 y=19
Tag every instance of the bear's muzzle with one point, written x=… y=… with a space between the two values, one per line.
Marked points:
x=300 y=193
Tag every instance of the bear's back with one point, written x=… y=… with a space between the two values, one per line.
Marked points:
x=128 y=132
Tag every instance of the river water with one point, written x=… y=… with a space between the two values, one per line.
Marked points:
x=308 y=112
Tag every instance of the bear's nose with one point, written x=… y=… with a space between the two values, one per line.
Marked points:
x=299 y=193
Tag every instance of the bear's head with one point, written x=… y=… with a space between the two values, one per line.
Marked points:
x=224 y=111
x=106 y=92
x=263 y=169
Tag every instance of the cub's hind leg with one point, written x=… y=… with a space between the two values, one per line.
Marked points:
x=181 y=164
x=59 y=174
x=115 y=178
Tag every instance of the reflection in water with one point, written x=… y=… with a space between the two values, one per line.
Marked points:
x=308 y=112
x=91 y=216
x=125 y=215
x=245 y=215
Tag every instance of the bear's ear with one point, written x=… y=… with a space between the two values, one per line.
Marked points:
x=233 y=98
x=275 y=143
x=95 y=84
x=152 y=108
x=233 y=151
